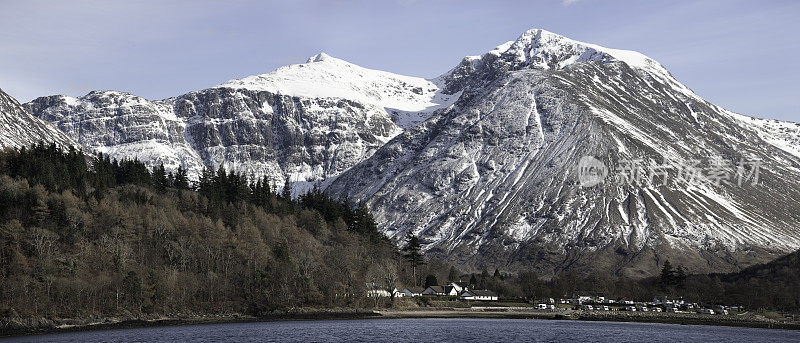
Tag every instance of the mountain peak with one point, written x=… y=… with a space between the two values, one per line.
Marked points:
x=324 y=76
x=320 y=57
x=545 y=50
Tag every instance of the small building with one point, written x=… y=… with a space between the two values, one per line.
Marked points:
x=451 y=291
x=458 y=286
x=412 y=291
x=626 y=301
x=435 y=290
x=589 y=297
x=485 y=295
x=375 y=291
x=441 y=291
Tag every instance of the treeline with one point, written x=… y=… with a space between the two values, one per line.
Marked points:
x=771 y=286
x=86 y=235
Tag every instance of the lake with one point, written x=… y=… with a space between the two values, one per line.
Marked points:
x=426 y=330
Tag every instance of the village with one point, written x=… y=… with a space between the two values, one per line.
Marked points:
x=583 y=301
x=451 y=289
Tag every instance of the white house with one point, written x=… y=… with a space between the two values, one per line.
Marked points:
x=434 y=290
x=412 y=291
x=375 y=291
x=452 y=291
x=441 y=291
x=479 y=295
x=458 y=286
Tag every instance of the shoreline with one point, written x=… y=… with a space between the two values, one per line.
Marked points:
x=11 y=327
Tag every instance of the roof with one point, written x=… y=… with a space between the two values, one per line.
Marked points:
x=437 y=289
x=481 y=293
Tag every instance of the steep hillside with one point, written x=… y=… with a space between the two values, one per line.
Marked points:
x=19 y=128
x=493 y=181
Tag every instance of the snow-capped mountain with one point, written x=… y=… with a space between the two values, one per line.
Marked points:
x=308 y=122
x=493 y=180
x=488 y=162
x=18 y=128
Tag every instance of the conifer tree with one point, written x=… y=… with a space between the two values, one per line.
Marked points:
x=667 y=274
x=181 y=180
x=413 y=254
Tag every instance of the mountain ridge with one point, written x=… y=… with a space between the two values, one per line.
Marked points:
x=480 y=162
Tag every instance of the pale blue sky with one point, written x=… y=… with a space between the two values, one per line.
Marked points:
x=741 y=55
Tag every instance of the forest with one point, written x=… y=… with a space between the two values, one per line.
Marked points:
x=84 y=235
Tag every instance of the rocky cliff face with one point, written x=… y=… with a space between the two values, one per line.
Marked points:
x=303 y=123
x=18 y=128
x=123 y=126
x=494 y=182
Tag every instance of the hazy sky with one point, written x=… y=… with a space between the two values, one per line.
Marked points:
x=741 y=55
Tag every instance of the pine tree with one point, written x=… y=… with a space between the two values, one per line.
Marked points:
x=160 y=180
x=286 y=193
x=412 y=253
x=667 y=274
x=680 y=276
x=364 y=224
x=452 y=275
x=430 y=280
x=181 y=180
x=206 y=182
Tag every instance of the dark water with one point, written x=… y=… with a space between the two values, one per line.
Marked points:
x=427 y=330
